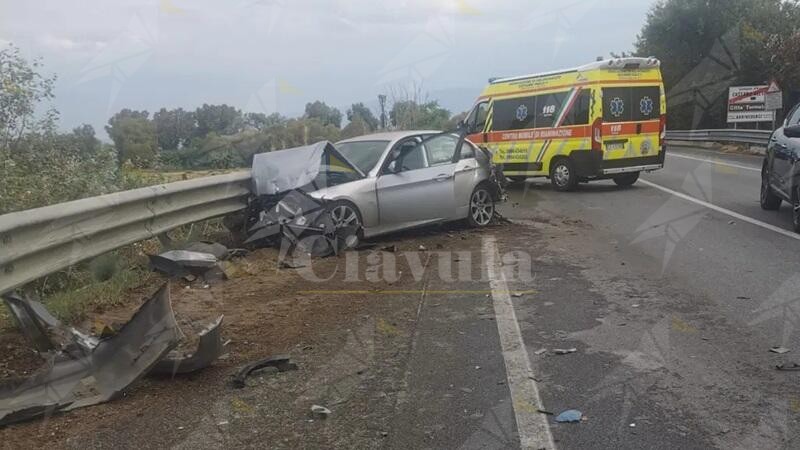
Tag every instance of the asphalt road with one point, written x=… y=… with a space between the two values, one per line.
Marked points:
x=666 y=298
x=672 y=291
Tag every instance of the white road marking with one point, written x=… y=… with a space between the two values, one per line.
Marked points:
x=722 y=210
x=534 y=432
x=714 y=161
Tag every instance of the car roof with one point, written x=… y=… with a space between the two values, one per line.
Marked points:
x=390 y=136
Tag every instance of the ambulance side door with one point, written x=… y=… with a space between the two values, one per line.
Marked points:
x=476 y=123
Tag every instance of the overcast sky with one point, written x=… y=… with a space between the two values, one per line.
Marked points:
x=276 y=55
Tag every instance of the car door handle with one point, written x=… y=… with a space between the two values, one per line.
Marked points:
x=466 y=169
x=442 y=177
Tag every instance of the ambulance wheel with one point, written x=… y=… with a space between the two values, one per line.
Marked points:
x=627 y=179
x=562 y=174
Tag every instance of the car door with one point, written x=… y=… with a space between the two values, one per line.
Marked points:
x=785 y=154
x=466 y=177
x=420 y=190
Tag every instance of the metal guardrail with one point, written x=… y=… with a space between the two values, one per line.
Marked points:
x=40 y=241
x=756 y=137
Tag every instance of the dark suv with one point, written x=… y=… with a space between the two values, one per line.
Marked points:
x=780 y=174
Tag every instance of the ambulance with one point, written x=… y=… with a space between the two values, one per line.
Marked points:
x=604 y=120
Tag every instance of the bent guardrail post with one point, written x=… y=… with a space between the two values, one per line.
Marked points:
x=41 y=241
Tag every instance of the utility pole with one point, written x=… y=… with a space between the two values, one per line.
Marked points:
x=382 y=101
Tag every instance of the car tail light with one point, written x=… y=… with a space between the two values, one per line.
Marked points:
x=597 y=135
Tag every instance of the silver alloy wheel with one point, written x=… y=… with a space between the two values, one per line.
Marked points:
x=344 y=216
x=481 y=207
x=561 y=174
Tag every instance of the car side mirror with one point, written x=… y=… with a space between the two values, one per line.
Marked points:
x=792 y=131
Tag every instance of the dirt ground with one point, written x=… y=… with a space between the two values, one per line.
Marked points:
x=348 y=343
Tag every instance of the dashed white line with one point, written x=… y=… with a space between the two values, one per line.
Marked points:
x=722 y=210
x=714 y=161
x=532 y=427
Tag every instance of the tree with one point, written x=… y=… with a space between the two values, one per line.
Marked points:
x=219 y=119
x=453 y=122
x=410 y=115
x=134 y=137
x=174 y=127
x=22 y=88
x=85 y=141
x=260 y=121
x=750 y=38
x=356 y=127
x=324 y=113
x=360 y=111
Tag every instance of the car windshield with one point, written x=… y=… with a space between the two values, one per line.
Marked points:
x=364 y=154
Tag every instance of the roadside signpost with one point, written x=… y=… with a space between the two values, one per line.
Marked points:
x=749 y=104
x=773 y=100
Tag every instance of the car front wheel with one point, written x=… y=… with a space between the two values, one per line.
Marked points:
x=481 y=207
x=769 y=201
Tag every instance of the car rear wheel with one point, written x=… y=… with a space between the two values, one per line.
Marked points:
x=627 y=179
x=769 y=201
x=562 y=175
x=481 y=207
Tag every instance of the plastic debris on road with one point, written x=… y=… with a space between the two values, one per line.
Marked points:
x=570 y=415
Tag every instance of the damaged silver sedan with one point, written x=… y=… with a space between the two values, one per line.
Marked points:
x=381 y=183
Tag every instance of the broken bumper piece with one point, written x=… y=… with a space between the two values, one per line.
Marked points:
x=209 y=349
x=68 y=382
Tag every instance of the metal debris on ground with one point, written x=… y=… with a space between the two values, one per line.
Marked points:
x=320 y=411
x=214 y=248
x=69 y=381
x=779 y=350
x=43 y=331
x=182 y=263
x=788 y=366
x=281 y=363
x=209 y=348
x=564 y=351
x=568 y=416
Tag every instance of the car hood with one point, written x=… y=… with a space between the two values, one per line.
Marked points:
x=295 y=168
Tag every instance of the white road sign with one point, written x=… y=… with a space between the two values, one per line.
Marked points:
x=748 y=104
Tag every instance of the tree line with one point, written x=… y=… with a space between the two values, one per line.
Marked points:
x=222 y=136
x=705 y=46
